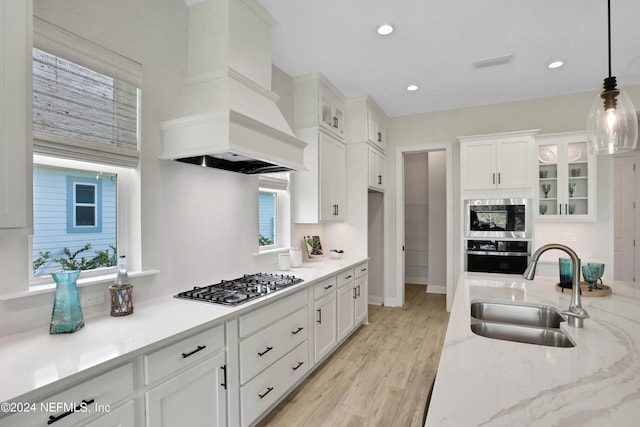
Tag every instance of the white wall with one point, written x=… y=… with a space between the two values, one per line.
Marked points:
x=416 y=217
x=198 y=225
x=437 y=222
x=555 y=114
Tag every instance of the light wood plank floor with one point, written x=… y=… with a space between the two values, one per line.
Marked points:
x=380 y=376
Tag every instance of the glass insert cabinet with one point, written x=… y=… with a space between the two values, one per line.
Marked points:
x=566 y=178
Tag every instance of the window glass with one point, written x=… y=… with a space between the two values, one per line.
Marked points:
x=267 y=218
x=74 y=219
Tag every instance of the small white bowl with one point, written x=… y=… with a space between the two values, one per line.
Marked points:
x=336 y=255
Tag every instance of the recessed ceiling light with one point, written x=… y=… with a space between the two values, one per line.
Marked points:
x=555 y=64
x=412 y=88
x=385 y=30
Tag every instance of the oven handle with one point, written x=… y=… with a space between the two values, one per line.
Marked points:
x=496 y=253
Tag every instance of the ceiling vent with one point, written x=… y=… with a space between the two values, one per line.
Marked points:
x=492 y=62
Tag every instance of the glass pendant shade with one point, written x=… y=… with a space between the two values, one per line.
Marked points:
x=612 y=125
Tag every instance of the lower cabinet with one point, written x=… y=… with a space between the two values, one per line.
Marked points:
x=325 y=325
x=361 y=291
x=187 y=382
x=87 y=402
x=195 y=397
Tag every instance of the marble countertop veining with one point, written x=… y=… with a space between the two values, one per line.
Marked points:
x=33 y=364
x=489 y=382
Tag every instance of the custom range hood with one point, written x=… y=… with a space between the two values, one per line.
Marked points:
x=226 y=116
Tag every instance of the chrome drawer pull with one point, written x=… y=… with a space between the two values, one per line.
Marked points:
x=199 y=348
x=297 y=330
x=265 y=352
x=269 y=390
x=295 y=368
x=83 y=404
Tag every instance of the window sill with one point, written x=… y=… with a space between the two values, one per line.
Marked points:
x=271 y=251
x=87 y=281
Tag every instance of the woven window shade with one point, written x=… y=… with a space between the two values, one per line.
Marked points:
x=80 y=113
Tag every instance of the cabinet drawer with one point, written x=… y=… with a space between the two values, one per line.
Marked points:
x=182 y=354
x=262 y=349
x=251 y=322
x=346 y=277
x=325 y=287
x=362 y=269
x=83 y=402
x=264 y=390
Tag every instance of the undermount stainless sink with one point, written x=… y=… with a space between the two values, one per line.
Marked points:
x=524 y=334
x=526 y=323
x=519 y=314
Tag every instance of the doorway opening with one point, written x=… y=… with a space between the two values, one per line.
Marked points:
x=424 y=212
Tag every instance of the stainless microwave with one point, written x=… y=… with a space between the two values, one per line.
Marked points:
x=498 y=218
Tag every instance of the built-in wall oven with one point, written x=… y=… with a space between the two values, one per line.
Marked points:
x=497 y=235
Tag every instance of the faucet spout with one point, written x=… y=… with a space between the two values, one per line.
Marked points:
x=576 y=314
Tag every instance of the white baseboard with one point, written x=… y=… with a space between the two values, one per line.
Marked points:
x=416 y=280
x=375 y=300
x=432 y=289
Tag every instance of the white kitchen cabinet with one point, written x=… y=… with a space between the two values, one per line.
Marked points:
x=367 y=122
x=273 y=353
x=187 y=381
x=325 y=338
x=319 y=193
x=566 y=178
x=361 y=291
x=80 y=404
x=15 y=112
x=376 y=169
x=498 y=161
x=195 y=397
x=346 y=306
x=319 y=104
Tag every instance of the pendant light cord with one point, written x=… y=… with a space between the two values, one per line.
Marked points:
x=609 y=32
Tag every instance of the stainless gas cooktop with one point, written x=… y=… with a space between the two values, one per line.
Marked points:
x=240 y=290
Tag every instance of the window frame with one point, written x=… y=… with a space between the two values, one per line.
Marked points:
x=73 y=182
x=277 y=183
x=276 y=215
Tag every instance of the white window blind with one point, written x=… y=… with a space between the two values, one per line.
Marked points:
x=79 y=112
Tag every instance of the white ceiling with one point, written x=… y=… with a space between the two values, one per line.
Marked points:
x=436 y=42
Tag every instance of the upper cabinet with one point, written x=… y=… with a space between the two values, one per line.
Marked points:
x=15 y=112
x=497 y=161
x=367 y=122
x=319 y=193
x=319 y=103
x=567 y=175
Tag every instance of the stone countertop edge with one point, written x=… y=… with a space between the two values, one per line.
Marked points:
x=34 y=364
x=489 y=382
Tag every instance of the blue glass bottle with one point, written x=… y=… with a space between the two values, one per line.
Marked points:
x=67 y=313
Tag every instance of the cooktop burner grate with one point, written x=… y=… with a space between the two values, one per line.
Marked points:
x=240 y=290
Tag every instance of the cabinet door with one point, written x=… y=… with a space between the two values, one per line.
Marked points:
x=478 y=164
x=332 y=179
x=346 y=298
x=14 y=93
x=376 y=169
x=361 y=291
x=325 y=326
x=196 y=397
x=513 y=168
x=566 y=177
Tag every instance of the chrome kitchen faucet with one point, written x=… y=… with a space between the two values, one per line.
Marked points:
x=576 y=314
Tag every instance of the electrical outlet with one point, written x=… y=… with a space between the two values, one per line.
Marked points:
x=93 y=298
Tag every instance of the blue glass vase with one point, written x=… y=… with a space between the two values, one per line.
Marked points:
x=67 y=313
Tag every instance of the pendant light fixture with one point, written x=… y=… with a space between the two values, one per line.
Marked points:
x=612 y=125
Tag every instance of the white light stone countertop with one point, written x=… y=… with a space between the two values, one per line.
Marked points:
x=489 y=382
x=34 y=364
